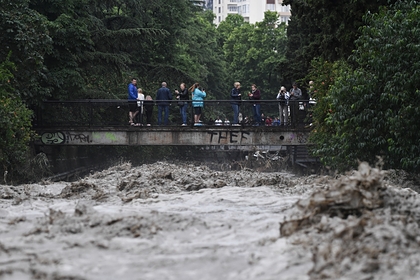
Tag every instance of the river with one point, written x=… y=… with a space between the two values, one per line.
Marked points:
x=185 y=221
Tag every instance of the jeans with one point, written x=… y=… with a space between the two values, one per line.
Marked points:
x=284 y=113
x=235 y=108
x=294 y=112
x=256 y=108
x=165 y=109
x=183 y=110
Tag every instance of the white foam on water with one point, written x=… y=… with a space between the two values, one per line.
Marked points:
x=162 y=221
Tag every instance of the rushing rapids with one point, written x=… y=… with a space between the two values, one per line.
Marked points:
x=186 y=221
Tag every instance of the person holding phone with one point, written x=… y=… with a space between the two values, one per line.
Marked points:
x=235 y=97
x=197 y=101
x=255 y=95
x=182 y=97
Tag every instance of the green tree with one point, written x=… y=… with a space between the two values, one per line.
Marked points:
x=24 y=33
x=227 y=26
x=325 y=29
x=253 y=53
x=15 y=124
x=375 y=108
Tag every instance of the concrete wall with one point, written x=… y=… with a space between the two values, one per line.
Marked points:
x=175 y=136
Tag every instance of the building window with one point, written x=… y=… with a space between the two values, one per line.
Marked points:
x=232 y=8
x=284 y=19
x=285 y=9
x=271 y=5
x=244 y=9
x=220 y=10
x=220 y=18
x=219 y=2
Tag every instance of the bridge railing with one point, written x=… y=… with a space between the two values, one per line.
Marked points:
x=114 y=113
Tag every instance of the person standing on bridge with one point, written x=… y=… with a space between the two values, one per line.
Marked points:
x=163 y=96
x=283 y=98
x=255 y=95
x=148 y=105
x=295 y=96
x=235 y=97
x=182 y=96
x=132 y=98
x=197 y=102
x=140 y=106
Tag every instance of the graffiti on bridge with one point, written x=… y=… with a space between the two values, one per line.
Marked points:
x=230 y=136
x=80 y=138
x=53 y=138
x=58 y=137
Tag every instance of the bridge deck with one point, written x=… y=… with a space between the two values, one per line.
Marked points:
x=105 y=122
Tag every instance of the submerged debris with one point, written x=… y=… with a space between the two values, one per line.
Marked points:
x=359 y=227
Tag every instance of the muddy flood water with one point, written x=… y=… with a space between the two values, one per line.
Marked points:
x=183 y=221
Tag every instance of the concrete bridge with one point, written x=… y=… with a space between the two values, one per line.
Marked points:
x=104 y=122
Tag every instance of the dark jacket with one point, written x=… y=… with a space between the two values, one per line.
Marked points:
x=183 y=97
x=256 y=96
x=163 y=96
x=183 y=94
x=148 y=105
x=235 y=97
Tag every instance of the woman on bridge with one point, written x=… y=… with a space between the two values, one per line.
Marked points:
x=197 y=101
x=235 y=101
x=182 y=96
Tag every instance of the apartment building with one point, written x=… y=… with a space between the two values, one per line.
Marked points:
x=252 y=10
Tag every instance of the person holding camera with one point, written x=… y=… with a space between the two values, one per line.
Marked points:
x=283 y=98
x=182 y=96
x=255 y=95
x=197 y=102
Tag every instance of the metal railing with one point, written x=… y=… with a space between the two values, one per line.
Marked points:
x=114 y=113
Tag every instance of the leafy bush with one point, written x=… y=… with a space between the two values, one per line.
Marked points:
x=373 y=109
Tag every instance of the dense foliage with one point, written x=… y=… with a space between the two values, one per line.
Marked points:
x=15 y=125
x=323 y=28
x=373 y=110
x=253 y=52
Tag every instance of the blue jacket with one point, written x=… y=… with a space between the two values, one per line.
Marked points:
x=163 y=96
x=198 y=97
x=132 y=92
